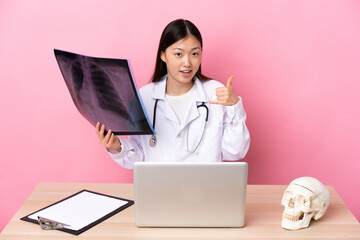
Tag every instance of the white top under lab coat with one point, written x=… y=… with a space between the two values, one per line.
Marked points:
x=225 y=137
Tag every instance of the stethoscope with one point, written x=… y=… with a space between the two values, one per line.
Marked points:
x=153 y=140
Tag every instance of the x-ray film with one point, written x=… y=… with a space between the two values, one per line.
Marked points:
x=104 y=90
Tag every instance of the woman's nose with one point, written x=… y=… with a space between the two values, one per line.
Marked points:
x=187 y=62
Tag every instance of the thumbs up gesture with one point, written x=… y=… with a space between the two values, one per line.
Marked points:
x=226 y=95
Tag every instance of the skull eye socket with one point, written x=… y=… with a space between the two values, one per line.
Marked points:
x=302 y=201
x=287 y=196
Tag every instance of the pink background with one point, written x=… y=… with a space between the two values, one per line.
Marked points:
x=296 y=65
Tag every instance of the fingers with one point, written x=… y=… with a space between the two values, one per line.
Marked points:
x=104 y=139
x=223 y=100
x=109 y=140
x=97 y=128
x=222 y=96
x=228 y=83
x=217 y=102
x=226 y=95
x=112 y=137
x=102 y=130
x=222 y=91
x=107 y=137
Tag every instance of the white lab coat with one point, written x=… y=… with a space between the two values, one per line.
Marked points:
x=226 y=136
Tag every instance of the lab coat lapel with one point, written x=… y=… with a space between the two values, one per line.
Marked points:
x=192 y=114
x=159 y=93
x=169 y=112
x=199 y=97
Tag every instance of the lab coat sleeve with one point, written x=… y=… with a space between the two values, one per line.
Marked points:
x=236 y=137
x=131 y=152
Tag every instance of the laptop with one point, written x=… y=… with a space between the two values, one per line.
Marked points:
x=190 y=194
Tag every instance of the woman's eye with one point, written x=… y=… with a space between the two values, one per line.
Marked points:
x=178 y=54
x=195 y=54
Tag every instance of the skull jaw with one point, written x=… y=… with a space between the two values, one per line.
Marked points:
x=299 y=224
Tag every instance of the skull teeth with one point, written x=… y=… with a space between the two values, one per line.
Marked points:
x=293 y=218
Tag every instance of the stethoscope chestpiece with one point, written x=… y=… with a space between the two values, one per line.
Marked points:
x=152 y=141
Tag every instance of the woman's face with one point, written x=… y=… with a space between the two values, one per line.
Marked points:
x=183 y=59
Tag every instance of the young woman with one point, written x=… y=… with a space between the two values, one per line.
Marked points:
x=196 y=119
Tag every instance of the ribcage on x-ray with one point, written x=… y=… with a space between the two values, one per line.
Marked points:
x=103 y=90
x=103 y=83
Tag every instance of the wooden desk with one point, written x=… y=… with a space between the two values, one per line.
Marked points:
x=263 y=218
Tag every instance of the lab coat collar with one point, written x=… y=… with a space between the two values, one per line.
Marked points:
x=200 y=95
x=160 y=87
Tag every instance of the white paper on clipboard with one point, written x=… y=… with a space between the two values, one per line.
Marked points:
x=80 y=210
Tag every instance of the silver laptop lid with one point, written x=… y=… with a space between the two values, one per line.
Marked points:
x=190 y=194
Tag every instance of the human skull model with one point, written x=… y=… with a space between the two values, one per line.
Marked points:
x=305 y=198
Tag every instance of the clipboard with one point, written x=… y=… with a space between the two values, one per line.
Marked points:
x=81 y=211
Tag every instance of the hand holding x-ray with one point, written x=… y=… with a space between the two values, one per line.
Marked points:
x=107 y=140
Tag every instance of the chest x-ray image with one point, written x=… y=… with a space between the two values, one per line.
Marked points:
x=104 y=90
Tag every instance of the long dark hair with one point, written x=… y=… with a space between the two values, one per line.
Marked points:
x=173 y=32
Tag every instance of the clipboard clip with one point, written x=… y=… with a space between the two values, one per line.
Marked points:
x=48 y=224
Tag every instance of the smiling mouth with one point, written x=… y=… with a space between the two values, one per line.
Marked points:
x=186 y=71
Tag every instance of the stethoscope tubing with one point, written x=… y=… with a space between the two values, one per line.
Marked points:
x=153 y=139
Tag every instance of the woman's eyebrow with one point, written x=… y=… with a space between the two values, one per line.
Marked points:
x=181 y=49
